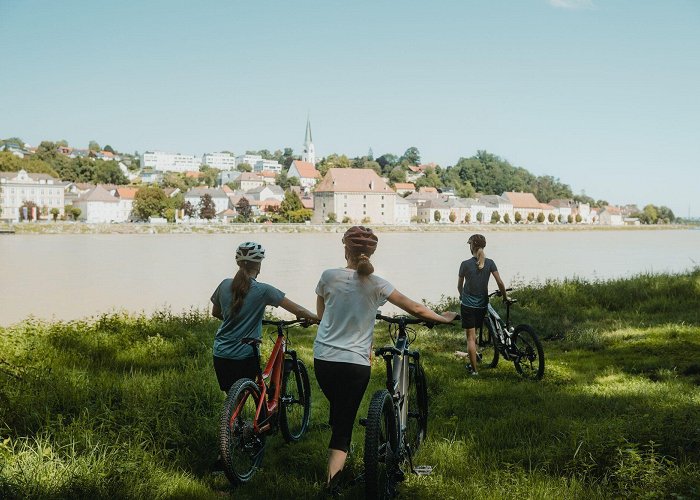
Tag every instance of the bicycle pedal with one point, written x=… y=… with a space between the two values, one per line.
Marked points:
x=423 y=470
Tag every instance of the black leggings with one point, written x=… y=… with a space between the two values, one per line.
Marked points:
x=344 y=385
x=230 y=370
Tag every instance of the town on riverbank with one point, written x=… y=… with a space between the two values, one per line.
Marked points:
x=54 y=182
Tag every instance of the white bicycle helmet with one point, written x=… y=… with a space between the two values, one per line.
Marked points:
x=250 y=252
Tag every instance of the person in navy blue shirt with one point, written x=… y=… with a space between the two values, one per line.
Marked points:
x=473 y=290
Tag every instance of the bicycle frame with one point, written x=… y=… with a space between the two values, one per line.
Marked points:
x=270 y=376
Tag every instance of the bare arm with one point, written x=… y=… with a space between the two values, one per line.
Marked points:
x=460 y=285
x=320 y=306
x=500 y=284
x=419 y=310
x=216 y=311
x=297 y=310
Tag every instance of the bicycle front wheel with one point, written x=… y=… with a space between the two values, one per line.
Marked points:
x=529 y=360
x=381 y=446
x=486 y=347
x=295 y=401
x=417 y=425
x=240 y=447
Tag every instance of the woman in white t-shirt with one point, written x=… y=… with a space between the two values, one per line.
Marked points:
x=347 y=302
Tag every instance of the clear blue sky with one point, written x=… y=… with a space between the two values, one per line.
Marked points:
x=603 y=94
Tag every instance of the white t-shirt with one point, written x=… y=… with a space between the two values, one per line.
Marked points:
x=345 y=331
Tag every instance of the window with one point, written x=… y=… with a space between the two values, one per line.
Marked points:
x=364 y=205
x=382 y=205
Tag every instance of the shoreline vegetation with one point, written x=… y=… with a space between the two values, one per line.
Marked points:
x=233 y=228
x=126 y=406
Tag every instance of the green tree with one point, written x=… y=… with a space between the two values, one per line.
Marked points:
x=551 y=218
x=347 y=220
x=54 y=213
x=666 y=214
x=560 y=218
x=479 y=217
x=579 y=218
x=530 y=217
x=210 y=175
x=109 y=149
x=495 y=217
x=207 y=209
x=108 y=172
x=506 y=218
x=437 y=216
x=412 y=156
x=569 y=218
x=332 y=218
x=518 y=217
x=94 y=146
x=468 y=217
x=75 y=212
x=290 y=203
x=189 y=209
x=540 y=217
x=284 y=181
x=366 y=220
x=150 y=201
x=169 y=214
x=650 y=214
x=397 y=174
x=243 y=209
x=244 y=167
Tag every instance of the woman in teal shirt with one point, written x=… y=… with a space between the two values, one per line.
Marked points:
x=239 y=303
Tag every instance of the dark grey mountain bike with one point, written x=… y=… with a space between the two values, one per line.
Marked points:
x=397 y=420
x=518 y=344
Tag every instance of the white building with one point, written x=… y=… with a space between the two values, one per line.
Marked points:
x=226 y=176
x=269 y=165
x=265 y=192
x=249 y=181
x=218 y=196
x=306 y=173
x=248 y=159
x=169 y=162
x=357 y=194
x=16 y=188
x=404 y=211
x=126 y=197
x=222 y=161
x=98 y=206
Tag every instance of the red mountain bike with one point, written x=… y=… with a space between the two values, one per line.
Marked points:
x=280 y=396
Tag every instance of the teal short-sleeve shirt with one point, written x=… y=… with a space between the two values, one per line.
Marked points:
x=248 y=321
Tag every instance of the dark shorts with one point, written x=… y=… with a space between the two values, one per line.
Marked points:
x=472 y=317
x=230 y=370
x=344 y=385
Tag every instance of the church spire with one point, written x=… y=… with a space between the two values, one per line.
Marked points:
x=308 y=153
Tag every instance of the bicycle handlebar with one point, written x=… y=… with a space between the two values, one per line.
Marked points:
x=301 y=322
x=497 y=293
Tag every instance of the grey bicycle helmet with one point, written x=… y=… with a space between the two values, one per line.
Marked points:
x=250 y=252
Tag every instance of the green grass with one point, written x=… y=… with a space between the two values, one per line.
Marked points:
x=127 y=407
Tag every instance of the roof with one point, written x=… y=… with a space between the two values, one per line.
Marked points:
x=546 y=206
x=493 y=200
x=98 y=193
x=268 y=174
x=562 y=203
x=353 y=180
x=249 y=176
x=201 y=191
x=126 y=193
x=306 y=169
x=308 y=202
x=404 y=185
x=193 y=174
x=522 y=200
x=612 y=210
x=36 y=177
x=271 y=187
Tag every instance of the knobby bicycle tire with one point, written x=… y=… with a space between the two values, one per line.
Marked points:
x=487 y=346
x=381 y=444
x=417 y=398
x=240 y=447
x=295 y=402
x=530 y=361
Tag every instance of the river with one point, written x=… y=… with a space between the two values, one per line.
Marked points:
x=72 y=276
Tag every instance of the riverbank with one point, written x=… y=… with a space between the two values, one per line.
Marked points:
x=218 y=228
x=120 y=406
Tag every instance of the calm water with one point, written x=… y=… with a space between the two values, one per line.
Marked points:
x=73 y=276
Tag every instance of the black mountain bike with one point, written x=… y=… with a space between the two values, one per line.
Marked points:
x=518 y=344
x=397 y=420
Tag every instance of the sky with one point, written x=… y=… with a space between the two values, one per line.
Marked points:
x=602 y=94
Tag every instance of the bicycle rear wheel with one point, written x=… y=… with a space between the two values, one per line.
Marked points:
x=240 y=447
x=417 y=424
x=529 y=361
x=295 y=401
x=381 y=446
x=486 y=346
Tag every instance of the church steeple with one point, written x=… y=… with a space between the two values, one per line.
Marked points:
x=308 y=153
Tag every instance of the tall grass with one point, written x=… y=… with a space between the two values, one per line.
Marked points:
x=123 y=406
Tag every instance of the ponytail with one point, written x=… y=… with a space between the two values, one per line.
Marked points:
x=364 y=266
x=241 y=284
x=480 y=258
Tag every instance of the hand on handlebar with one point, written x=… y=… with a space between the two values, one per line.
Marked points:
x=450 y=316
